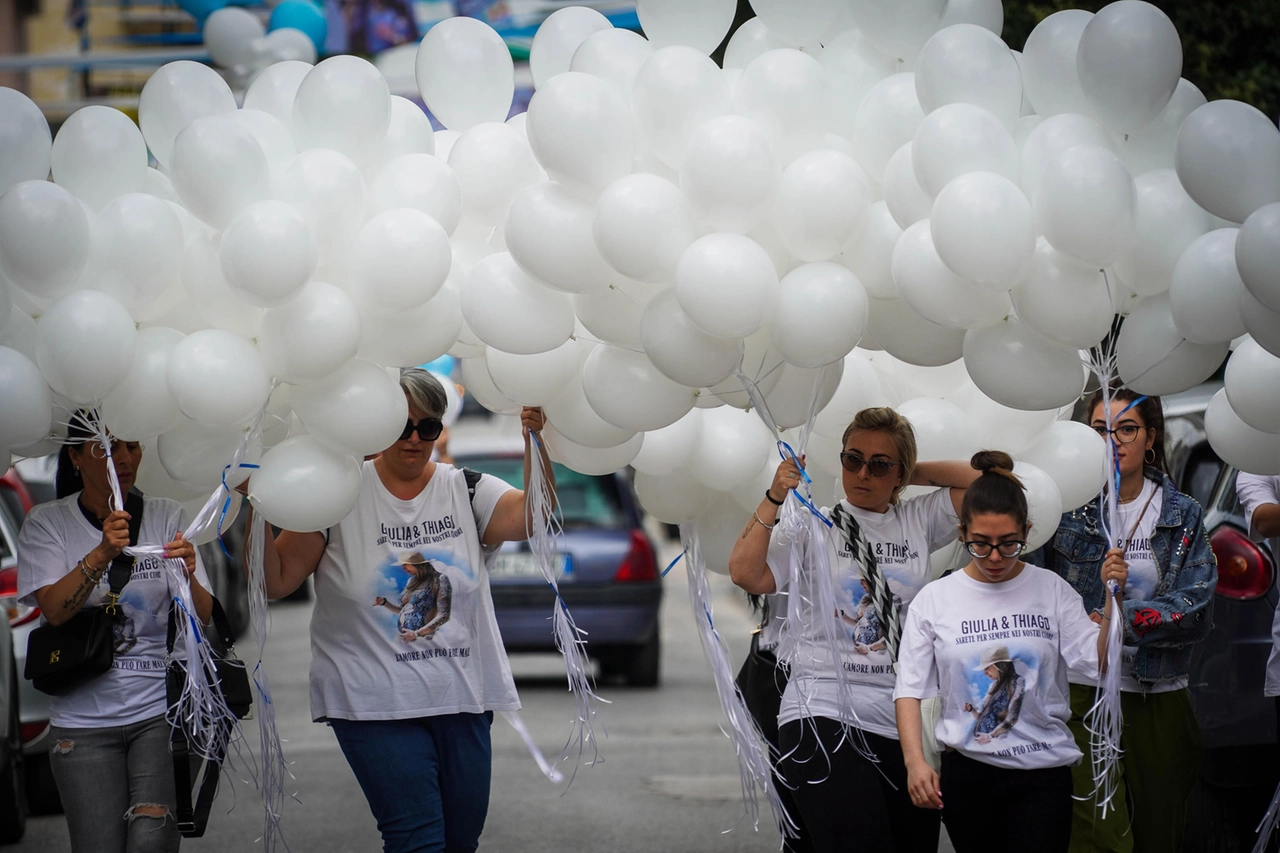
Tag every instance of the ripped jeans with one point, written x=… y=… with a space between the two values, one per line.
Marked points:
x=116 y=786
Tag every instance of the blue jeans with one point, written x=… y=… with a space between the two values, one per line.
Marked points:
x=426 y=779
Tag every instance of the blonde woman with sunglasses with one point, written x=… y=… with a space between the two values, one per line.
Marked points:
x=874 y=586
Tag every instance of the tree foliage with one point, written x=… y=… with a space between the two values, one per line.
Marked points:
x=1230 y=48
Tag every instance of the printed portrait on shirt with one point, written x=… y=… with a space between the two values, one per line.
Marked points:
x=420 y=595
x=998 y=684
x=861 y=622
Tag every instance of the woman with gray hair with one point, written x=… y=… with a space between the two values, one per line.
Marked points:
x=418 y=709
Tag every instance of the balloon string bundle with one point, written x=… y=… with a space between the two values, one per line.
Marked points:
x=1269 y=824
x=811 y=601
x=1104 y=721
x=544 y=530
x=548 y=769
x=755 y=770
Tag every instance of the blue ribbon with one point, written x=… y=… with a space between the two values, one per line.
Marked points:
x=194 y=624
x=226 y=505
x=785 y=451
x=1115 y=456
x=672 y=564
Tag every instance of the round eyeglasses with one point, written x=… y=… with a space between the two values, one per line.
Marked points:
x=1006 y=549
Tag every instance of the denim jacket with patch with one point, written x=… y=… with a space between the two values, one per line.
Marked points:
x=1165 y=627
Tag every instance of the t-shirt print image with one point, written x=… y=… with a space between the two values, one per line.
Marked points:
x=425 y=600
x=421 y=597
x=1000 y=686
x=862 y=623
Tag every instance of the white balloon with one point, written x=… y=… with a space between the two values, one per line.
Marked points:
x=727 y=285
x=984 y=230
x=988 y=14
x=1253 y=386
x=700 y=25
x=85 y=345
x=1051 y=137
x=675 y=498
x=1017 y=366
x=1249 y=449
x=906 y=199
x=98 y=155
x=27 y=414
x=966 y=63
x=614 y=315
x=289 y=45
x=1049 y=72
x=548 y=232
x=229 y=34
x=1128 y=62
x=761 y=365
x=641 y=226
x=274 y=90
x=533 y=380
x=786 y=92
x=901 y=27
x=870 y=254
x=174 y=96
x=422 y=182
x=729 y=173
x=894 y=326
x=748 y=41
x=493 y=163
x=943 y=430
x=342 y=104
x=886 y=120
x=1204 y=290
x=476 y=379
x=413 y=337
x=680 y=349
x=272 y=134
x=959 y=138
x=1166 y=223
x=821 y=316
x=154 y=481
x=1263 y=323
x=594 y=461
x=1074 y=455
x=398 y=261
x=677 y=89
x=580 y=130
x=558 y=38
x=218 y=169
x=196 y=454
x=311 y=335
x=614 y=55
x=268 y=253
x=1044 y=503
x=329 y=191
x=1258 y=255
x=1064 y=298
x=141 y=406
x=217 y=377
x=137 y=249
x=509 y=310
x=44 y=238
x=1085 y=204
x=572 y=416
x=670 y=448
x=937 y=293
x=210 y=295
x=800 y=389
x=303 y=485
x=359 y=408
x=859 y=389
x=409 y=132
x=465 y=73
x=730 y=448
x=1153 y=357
x=1152 y=146
x=822 y=202
x=627 y=390
x=24 y=139
x=1225 y=156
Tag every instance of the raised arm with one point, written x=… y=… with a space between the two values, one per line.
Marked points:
x=953 y=474
x=289 y=559
x=512 y=518
x=748 y=563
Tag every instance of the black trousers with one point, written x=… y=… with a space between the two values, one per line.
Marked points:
x=991 y=809
x=847 y=801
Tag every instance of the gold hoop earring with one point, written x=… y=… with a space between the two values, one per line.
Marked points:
x=1151 y=452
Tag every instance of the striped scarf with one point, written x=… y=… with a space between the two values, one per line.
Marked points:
x=881 y=595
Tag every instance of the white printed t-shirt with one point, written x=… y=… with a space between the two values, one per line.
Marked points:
x=1026 y=632
x=902 y=539
x=1255 y=490
x=386 y=648
x=55 y=537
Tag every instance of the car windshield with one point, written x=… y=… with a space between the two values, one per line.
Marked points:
x=585 y=501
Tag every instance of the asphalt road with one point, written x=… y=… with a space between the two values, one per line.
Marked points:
x=668 y=782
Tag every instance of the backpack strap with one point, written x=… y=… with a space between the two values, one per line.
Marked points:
x=472 y=479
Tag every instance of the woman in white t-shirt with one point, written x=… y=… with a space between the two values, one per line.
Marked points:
x=110 y=739
x=995 y=641
x=407 y=665
x=817 y=730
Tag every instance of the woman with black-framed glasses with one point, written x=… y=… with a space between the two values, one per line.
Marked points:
x=995 y=641
x=874 y=586
x=1168 y=600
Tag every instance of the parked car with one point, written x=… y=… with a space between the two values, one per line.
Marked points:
x=13 y=777
x=610 y=580
x=1239 y=770
x=20 y=489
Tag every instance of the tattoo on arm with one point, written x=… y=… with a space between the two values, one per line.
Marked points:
x=78 y=597
x=933 y=482
x=747 y=531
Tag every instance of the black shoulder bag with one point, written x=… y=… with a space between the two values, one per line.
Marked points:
x=60 y=658
x=232 y=679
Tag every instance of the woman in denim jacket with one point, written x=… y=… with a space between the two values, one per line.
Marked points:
x=1168 y=602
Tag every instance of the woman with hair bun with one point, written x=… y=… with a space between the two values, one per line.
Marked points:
x=995 y=641
x=878 y=553
x=1172 y=575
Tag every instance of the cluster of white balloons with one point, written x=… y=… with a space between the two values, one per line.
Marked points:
x=873 y=202
x=238 y=41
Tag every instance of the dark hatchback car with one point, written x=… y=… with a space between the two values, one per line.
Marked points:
x=610 y=579
x=1241 y=762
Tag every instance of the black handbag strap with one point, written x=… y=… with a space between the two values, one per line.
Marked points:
x=122 y=566
x=221 y=625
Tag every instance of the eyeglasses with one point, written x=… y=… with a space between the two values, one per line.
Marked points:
x=117 y=447
x=1124 y=434
x=428 y=429
x=1011 y=548
x=853 y=463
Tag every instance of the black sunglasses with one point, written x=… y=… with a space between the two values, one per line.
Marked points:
x=428 y=429
x=853 y=463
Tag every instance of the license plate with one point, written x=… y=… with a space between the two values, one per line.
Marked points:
x=522 y=565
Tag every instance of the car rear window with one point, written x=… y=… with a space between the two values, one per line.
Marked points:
x=585 y=500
